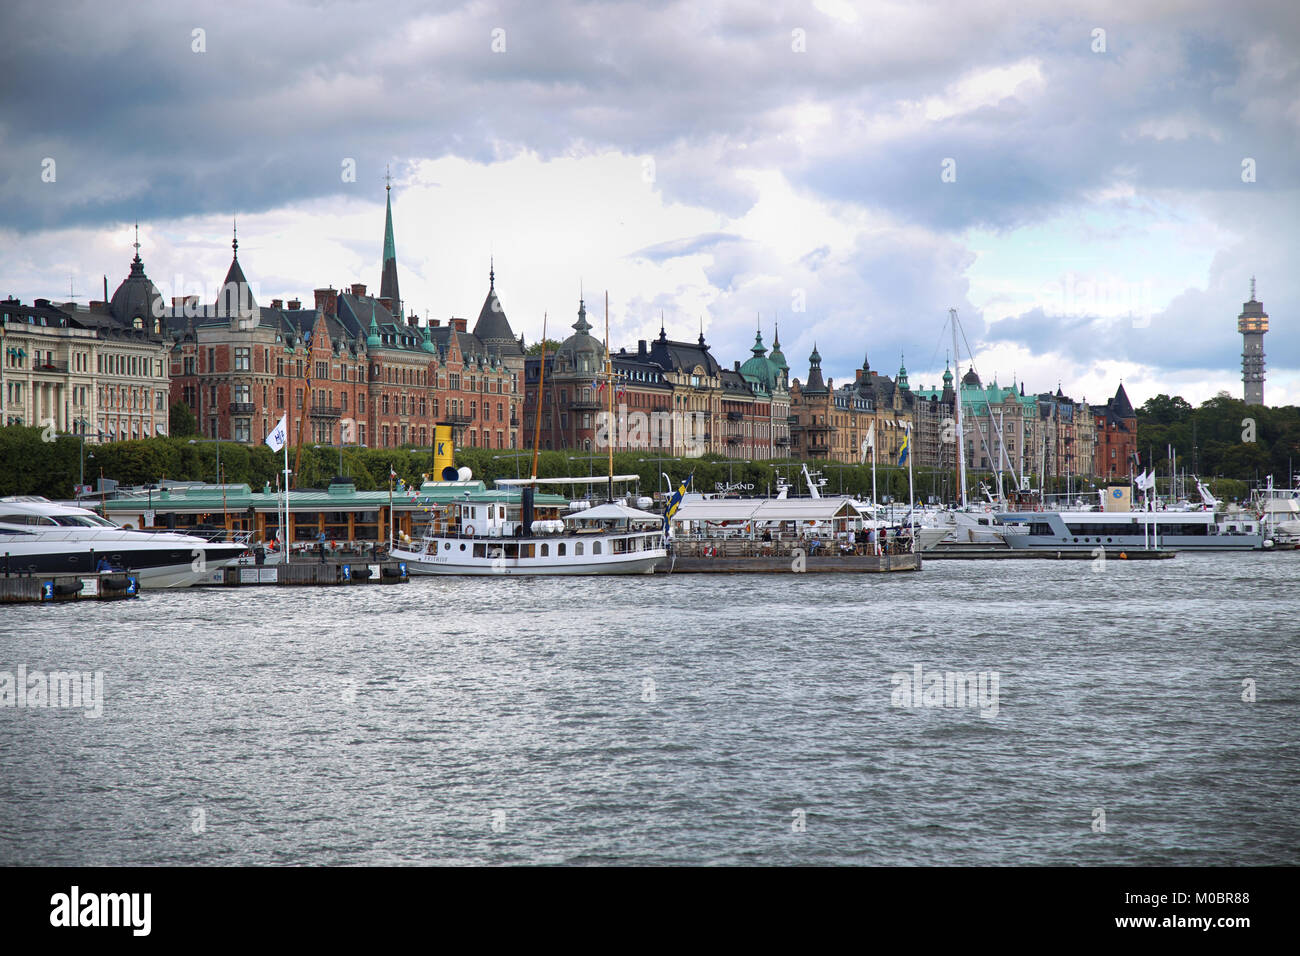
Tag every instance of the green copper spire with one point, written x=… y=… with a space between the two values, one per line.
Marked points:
x=388 y=288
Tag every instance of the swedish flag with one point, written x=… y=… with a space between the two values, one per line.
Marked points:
x=675 y=501
x=902 y=452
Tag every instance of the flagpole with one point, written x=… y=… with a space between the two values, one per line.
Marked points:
x=285 y=526
x=911 y=497
x=875 y=502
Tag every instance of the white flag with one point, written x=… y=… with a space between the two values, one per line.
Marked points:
x=279 y=434
x=870 y=440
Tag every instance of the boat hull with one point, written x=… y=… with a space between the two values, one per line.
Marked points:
x=643 y=562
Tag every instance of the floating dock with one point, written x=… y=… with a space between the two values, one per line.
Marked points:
x=312 y=574
x=993 y=553
x=56 y=588
x=727 y=556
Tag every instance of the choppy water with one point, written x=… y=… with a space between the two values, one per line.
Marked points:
x=671 y=720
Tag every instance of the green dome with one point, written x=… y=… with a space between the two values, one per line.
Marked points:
x=759 y=369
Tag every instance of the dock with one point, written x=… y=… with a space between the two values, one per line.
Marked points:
x=743 y=556
x=312 y=574
x=60 y=588
x=993 y=553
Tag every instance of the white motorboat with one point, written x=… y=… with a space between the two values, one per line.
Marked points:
x=38 y=536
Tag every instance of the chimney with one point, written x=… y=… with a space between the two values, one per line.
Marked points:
x=435 y=323
x=640 y=348
x=327 y=301
x=857 y=376
x=294 y=305
x=358 y=288
x=277 y=303
x=737 y=365
x=458 y=324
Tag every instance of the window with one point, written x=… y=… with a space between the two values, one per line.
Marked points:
x=279 y=397
x=361 y=405
x=243 y=360
x=385 y=407
x=212 y=359
x=243 y=431
x=343 y=402
x=279 y=366
x=243 y=394
x=298 y=398
x=455 y=382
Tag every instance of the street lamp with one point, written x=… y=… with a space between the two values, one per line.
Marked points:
x=516 y=457
x=341 y=447
x=655 y=461
x=211 y=441
x=81 y=434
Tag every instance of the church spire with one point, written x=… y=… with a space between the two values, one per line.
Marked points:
x=388 y=288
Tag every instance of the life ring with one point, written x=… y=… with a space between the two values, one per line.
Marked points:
x=469 y=529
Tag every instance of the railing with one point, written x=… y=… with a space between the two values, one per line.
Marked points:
x=585 y=404
x=783 y=546
x=50 y=367
x=241 y=408
x=735 y=416
x=324 y=411
x=460 y=419
x=734 y=439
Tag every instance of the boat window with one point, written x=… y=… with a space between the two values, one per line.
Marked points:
x=595 y=547
x=480 y=550
x=577 y=548
x=560 y=549
x=546 y=550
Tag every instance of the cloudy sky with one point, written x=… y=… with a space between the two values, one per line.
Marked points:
x=1091 y=190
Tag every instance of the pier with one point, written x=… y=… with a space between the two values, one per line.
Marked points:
x=313 y=574
x=993 y=553
x=741 y=555
x=58 y=588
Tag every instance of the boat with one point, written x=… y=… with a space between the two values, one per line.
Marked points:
x=1133 y=530
x=39 y=537
x=496 y=532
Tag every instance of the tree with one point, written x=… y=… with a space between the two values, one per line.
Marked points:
x=181 y=422
x=536 y=347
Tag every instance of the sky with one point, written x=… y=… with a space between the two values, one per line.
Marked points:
x=1091 y=188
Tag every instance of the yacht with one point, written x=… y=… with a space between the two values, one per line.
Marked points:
x=497 y=532
x=38 y=536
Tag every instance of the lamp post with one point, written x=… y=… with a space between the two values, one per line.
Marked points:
x=211 y=441
x=522 y=454
x=656 y=462
x=340 y=447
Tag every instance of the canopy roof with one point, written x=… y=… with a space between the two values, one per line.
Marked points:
x=767 y=509
x=613 y=512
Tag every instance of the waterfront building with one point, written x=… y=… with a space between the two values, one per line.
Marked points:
x=350 y=370
x=1116 y=437
x=99 y=370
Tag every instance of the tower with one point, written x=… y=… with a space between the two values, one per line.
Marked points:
x=388 y=280
x=1252 y=324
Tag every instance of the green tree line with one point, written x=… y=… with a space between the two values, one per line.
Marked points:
x=1223 y=438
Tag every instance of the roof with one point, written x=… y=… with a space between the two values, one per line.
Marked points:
x=766 y=509
x=492 y=327
x=613 y=512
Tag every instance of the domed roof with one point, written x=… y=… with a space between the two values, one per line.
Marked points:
x=970 y=378
x=760 y=369
x=582 y=351
x=136 y=297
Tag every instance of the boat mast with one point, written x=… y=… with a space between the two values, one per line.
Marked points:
x=961 y=439
x=609 y=383
x=541 y=390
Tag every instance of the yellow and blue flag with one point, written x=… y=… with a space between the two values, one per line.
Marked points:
x=675 y=501
x=902 y=452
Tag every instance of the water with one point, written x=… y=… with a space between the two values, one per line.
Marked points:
x=671 y=720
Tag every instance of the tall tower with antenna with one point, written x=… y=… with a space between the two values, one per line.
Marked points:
x=1252 y=324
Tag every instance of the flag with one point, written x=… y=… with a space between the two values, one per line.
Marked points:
x=391 y=474
x=902 y=452
x=675 y=502
x=278 y=435
x=869 y=442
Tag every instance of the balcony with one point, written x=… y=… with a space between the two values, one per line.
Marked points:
x=734 y=439
x=514 y=422
x=735 y=416
x=50 y=367
x=324 y=411
x=783 y=440
x=460 y=419
x=818 y=448
x=586 y=405
x=241 y=408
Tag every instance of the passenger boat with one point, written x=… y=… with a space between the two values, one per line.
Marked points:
x=1132 y=530
x=497 y=532
x=38 y=536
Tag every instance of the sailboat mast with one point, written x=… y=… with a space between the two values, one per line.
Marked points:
x=541 y=390
x=961 y=438
x=609 y=383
